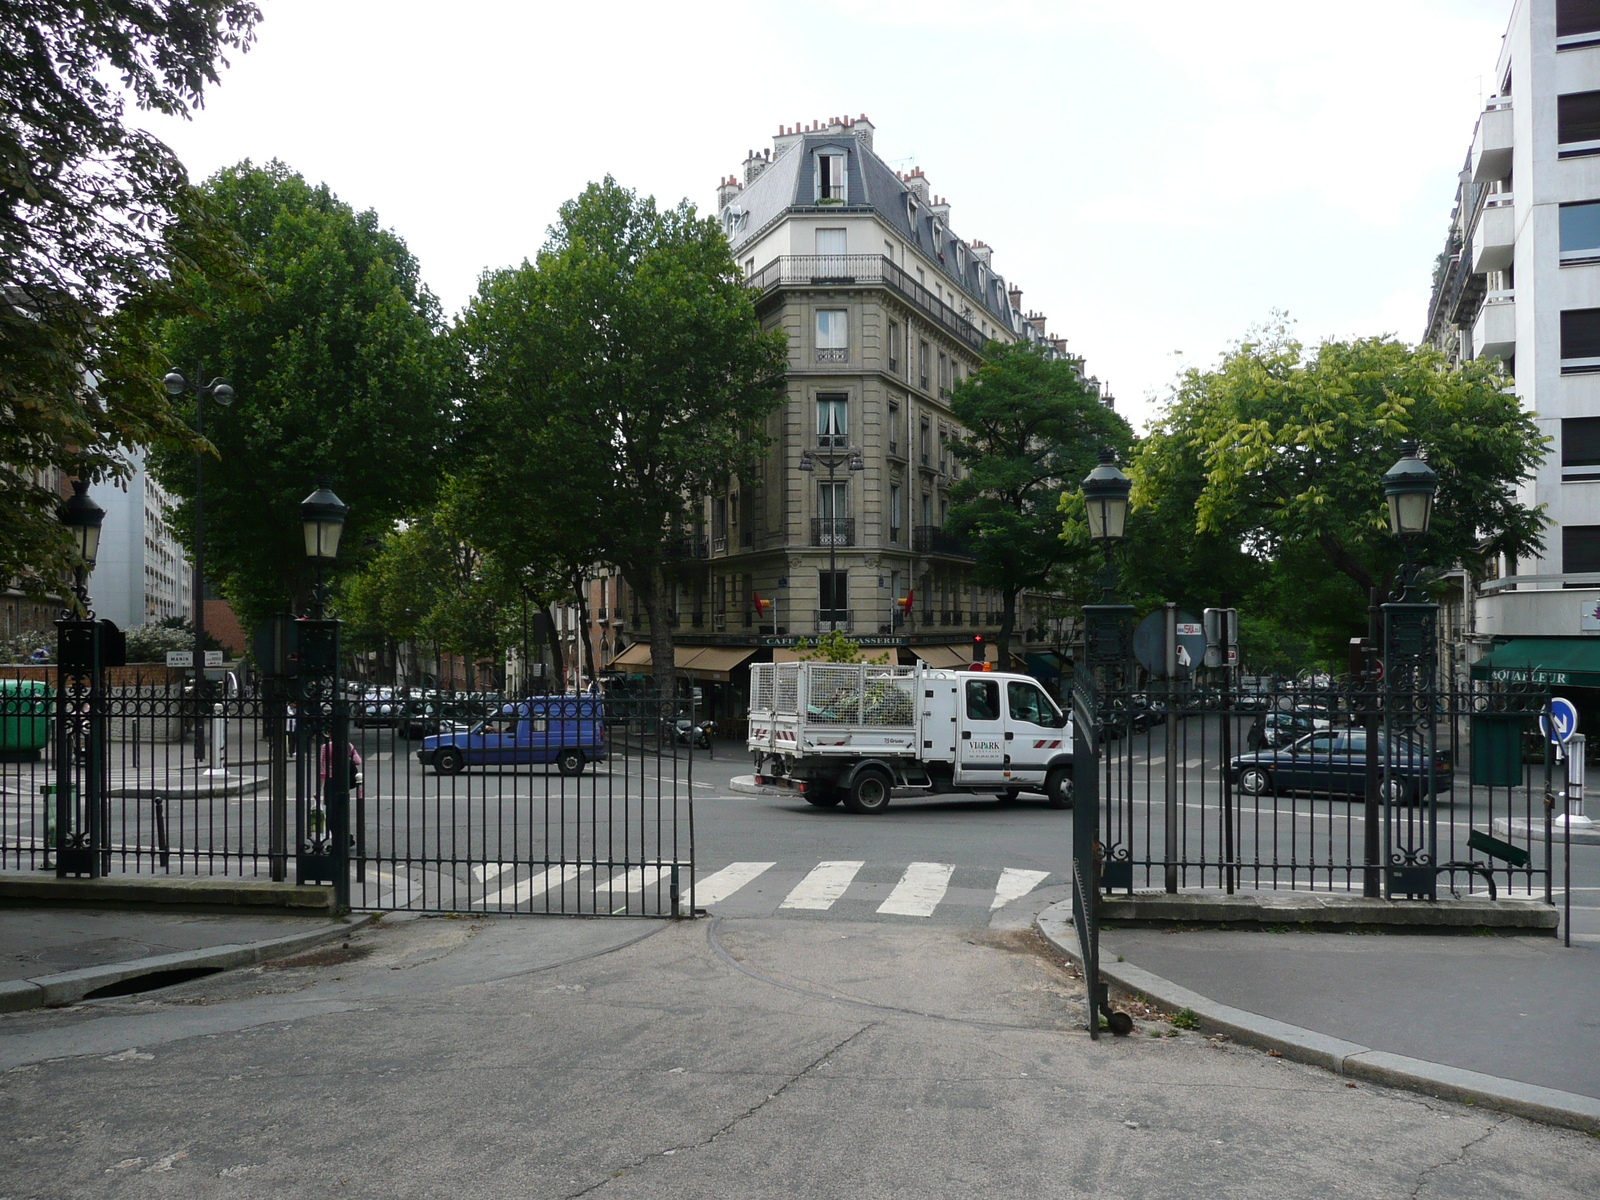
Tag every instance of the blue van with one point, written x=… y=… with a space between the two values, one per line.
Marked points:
x=566 y=730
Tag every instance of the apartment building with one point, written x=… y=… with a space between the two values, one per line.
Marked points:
x=887 y=308
x=142 y=572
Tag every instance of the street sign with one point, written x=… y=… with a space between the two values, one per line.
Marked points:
x=180 y=658
x=1560 y=721
x=213 y=658
x=1150 y=643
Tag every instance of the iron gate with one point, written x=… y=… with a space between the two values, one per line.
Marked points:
x=130 y=773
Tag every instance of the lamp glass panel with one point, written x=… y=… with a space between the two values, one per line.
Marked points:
x=1116 y=518
x=88 y=543
x=1411 y=512
x=1097 y=520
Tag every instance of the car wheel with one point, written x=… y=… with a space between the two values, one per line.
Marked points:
x=449 y=761
x=869 y=791
x=1253 y=781
x=570 y=762
x=822 y=795
x=1395 y=791
x=1058 y=788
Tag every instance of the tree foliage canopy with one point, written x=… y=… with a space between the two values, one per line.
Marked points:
x=93 y=216
x=615 y=379
x=1034 y=429
x=338 y=370
x=1267 y=470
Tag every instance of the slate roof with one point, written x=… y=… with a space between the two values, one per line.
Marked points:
x=788 y=185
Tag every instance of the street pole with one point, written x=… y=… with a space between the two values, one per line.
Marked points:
x=1372 y=833
x=1171 y=665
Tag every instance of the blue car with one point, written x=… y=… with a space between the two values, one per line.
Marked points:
x=1334 y=762
x=566 y=730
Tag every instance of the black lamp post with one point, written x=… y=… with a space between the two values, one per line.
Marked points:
x=1410 y=667
x=833 y=529
x=220 y=391
x=1105 y=496
x=322 y=521
x=83 y=518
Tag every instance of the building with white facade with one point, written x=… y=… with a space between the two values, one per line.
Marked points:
x=1520 y=279
x=141 y=573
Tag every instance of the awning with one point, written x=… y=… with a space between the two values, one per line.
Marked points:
x=635 y=657
x=943 y=656
x=1557 y=661
x=706 y=662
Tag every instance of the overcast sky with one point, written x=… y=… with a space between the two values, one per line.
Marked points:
x=1157 y=177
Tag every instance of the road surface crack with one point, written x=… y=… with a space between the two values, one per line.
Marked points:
x=1459 y=1156
x=737 y=1120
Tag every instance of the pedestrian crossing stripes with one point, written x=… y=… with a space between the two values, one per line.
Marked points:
x=916 y=890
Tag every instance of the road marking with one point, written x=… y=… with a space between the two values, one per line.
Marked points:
x=488 y=871
x=824 y=885
x=534 y=885
x=1016 y=883
x=919 y=891
x=717 y=887
x=638 y=878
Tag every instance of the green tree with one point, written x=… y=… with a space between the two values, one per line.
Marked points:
x=836 y=646
x=338 y=371
x=1265 y=472
x=618 y=378
x=93 y=215
x=1034 y=430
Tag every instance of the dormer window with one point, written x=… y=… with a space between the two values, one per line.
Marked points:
x=831 y=184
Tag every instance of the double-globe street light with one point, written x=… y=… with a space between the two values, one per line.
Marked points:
x=832 y=531
x=220 y=391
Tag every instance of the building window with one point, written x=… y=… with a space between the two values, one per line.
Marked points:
x=749 y=267
x=944 y=375
x=1580 y=230
x=1580 y=448
x=927 y=508
x=895 y=500
x=1576 y=16
x=1578 y=123
x=894 y=347
x=832 y=242
x=1580 y=339
x=922 y=364
x=888 y=250
x=894 y=430
x=833 y=420
x=830 y=178
x=833 y=335
x=1580 y=549
x=922 y=441
x=833 y=589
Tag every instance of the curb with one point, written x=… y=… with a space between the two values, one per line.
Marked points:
x=68 y=987
x=1354 y=1061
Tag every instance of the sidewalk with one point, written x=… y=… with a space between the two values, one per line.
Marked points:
x=1519 y=1009
x=50 y=956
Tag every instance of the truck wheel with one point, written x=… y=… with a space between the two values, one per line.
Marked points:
x=449 y=761
x=1058 y=788
x=869 y=791
x=822 y=795
x=570 y=762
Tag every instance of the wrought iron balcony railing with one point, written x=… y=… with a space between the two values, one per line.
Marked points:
x=833 y=531
x=930 y=539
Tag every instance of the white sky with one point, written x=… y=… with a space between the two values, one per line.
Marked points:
x=1157 y=176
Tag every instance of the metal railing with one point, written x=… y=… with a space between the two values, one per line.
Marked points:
x=828 y=619
x=833 y=270
x=833 y=531
x=930 y=539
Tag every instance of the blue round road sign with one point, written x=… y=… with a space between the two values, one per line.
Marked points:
x=1560 y=721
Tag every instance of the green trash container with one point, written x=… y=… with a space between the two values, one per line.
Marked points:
x=24 y=718
x=1497 y=749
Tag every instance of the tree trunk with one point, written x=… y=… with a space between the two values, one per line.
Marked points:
x=585 y=634
x=558 y=667
x=650 y=585
x=1008 y=621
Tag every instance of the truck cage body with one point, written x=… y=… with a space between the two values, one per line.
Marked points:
x=805 y=709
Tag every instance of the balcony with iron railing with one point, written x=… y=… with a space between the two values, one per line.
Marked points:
x=875 y=270
x=930 y=539
x=829 y=619
x=833 y=531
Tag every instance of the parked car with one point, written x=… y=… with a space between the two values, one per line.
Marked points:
x=1334 y=762
x=566 y=730
x=377 y=706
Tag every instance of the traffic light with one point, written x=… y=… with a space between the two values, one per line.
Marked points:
x=979 y=651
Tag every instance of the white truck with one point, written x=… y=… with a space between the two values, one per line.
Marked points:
x=854 y=732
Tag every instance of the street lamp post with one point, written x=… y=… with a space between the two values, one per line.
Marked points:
x=322 y=522
x=80 y=648
x=1410 y=664
x=220 y=391
x=1107 y=641
x=323 y=830
x=808 y=463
